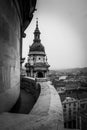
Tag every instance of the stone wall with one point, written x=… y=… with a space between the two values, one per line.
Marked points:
x=9 y=55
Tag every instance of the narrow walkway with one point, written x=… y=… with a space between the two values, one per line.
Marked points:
x=24 y=103
x=46 y=114
x=28 y=96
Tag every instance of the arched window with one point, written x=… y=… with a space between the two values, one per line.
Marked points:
x=40 y=74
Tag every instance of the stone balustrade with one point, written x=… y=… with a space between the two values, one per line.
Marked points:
x=46 y=114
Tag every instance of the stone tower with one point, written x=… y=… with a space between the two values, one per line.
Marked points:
x=37 y=66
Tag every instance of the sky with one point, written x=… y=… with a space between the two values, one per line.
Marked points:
x=63 y=27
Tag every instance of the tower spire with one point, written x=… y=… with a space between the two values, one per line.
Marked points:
x=36 y=33
x=36 y=22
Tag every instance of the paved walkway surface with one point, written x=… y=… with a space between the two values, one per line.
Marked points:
x=46 y=114
x=24 y=103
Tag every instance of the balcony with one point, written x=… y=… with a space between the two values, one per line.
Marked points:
x=46 y=114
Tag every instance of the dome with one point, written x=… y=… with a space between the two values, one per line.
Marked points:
x=37 y=47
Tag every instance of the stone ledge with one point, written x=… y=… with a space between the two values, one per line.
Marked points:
x=46 y=114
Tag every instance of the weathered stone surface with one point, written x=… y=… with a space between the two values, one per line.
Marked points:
x=9 y=55
x=46 y=114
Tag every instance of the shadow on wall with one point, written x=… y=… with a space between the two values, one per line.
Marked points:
x=29 y=94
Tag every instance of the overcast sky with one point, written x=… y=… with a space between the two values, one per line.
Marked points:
x=63 y=27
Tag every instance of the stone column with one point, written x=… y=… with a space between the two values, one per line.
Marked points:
x=9 y=55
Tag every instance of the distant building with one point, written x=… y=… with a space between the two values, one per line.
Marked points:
x=71 y=107
x=83 y=120
x=61 y=89
x=83 y=104
x=37 y=65
x=62 y=77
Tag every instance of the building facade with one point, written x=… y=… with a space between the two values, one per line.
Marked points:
x=71 y=108
x=83 y=120
x=37 y=65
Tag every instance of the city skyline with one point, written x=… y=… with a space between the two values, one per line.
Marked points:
x=63 y=32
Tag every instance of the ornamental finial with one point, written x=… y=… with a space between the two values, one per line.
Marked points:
x=37 y=22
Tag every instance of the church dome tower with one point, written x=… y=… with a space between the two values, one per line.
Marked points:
x=37 y=65
x=37 y=46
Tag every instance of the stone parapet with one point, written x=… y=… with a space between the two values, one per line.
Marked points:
x=46 y=114
x=41 y=80
x=49 y=109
